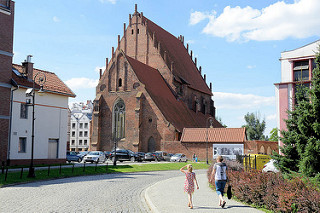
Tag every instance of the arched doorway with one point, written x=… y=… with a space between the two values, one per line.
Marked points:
x=151 y=145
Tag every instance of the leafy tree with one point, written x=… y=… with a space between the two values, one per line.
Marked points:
x=274 y=135
x=254 y=127
x=301 y=140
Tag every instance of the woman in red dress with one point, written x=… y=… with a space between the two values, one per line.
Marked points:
x=189 y=183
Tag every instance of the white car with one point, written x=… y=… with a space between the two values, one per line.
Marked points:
x=179 y=158
x=95 y=157
x=270 y=167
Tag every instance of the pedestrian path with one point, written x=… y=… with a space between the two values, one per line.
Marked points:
x=168 y=196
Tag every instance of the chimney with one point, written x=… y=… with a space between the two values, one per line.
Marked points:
x=204 y=77
x=200 y=69
x=210 y=86
x=107 y=61
x=135 y=8
x=124 y=29
x=191 y=54
x=187 y=47
x=100 y=73
x=195 y=61
x=28 y=67
x=112 y=52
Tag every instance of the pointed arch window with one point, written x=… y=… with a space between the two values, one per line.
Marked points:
x=119 y=119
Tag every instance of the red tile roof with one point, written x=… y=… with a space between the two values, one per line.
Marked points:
x=53 y=83
x=184 y=67
x=175 y=111
x=216 y=135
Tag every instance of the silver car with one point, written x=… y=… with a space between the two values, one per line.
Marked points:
x=179 y=158
x=95 y=157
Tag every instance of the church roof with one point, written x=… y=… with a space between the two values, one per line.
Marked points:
x=215 y=135
x=174 y=110
x=53 y=83
x=184 y=67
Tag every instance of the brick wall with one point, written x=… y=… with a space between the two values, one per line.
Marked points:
x=6 y=47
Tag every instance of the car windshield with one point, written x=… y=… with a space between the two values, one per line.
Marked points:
x=177 y=155
x=93 y=153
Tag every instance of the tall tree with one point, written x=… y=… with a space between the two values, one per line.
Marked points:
x=301 y=149
x=274 y=135
x=254 y=127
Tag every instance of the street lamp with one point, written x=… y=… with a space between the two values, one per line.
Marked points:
x=210 y=120
x=41 y=79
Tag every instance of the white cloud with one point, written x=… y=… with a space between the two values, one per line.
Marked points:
x=224 y=100
x=82 y=83
x=197 y=17
x=110 y=1
x=271 y=117
x=278 y=21
x=251 y=66
x=55 y=19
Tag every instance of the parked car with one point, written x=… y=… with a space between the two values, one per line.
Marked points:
x=108 y=154
x=149 y=156
x=141 y=156
x=164 y=155
x=124 y=155
x=95 y=157
x=270 y=167
x=73 y=156
x=83 y=153
x=179 y=157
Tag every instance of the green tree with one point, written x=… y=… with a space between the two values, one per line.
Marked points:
x=301 y=140
x=274 y=135
x=254 y=127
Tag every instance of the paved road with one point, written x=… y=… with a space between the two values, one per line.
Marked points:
x=120 y=192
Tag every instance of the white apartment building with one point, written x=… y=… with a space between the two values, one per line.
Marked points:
x=81 y=115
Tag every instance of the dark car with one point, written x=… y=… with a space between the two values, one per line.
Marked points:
x=73 y=156
x=124 y=155
x=141 y=156
x=108 y=154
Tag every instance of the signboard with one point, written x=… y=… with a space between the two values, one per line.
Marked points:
x=229 y=151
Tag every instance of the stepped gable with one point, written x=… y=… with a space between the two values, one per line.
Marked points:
x=52 y=84
x=185 y=69
x=175 y=111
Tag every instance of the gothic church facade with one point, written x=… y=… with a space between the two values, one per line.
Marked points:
x=150 y=90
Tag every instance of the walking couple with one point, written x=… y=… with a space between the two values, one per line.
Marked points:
x=219 y=173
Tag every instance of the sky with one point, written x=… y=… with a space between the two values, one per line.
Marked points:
x=237 y=43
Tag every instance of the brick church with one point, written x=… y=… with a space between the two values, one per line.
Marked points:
x=150 y=91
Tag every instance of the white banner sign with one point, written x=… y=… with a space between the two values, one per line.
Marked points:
x=227 y=150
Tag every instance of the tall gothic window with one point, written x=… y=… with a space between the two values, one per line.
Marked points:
x=119 y=113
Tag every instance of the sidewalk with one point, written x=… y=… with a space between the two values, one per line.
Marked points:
x=168 y=196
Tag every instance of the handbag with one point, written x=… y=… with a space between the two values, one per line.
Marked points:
x=229 y=192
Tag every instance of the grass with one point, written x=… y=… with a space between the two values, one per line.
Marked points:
x=45 y=174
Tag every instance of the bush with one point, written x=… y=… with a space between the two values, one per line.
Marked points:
x=273 y=191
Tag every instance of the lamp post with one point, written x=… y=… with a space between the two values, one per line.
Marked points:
x=115 y=138
x=41 y=79
x=210 y=120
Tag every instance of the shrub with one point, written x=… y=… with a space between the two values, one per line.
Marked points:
x=273 y=191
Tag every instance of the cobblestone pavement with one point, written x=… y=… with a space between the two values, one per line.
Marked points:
x=121 y=192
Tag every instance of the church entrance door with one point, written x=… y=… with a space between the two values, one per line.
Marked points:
x=151 y=145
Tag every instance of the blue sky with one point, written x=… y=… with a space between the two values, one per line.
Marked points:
x=237 y=43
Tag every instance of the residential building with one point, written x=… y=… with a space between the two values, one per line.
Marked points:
x=50 y=116
x=151 y=89
x=296 y=69
x=80 y=125
x=6 y=54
